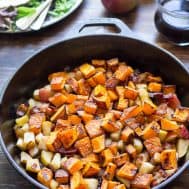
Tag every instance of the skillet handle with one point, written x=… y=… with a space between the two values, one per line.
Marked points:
x=123 y=29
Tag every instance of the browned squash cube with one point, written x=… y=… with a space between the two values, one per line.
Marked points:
x=91 y=169
x=142 y=181
x=74 y=119
x=122 y=104
x=104 y=184
x=45 y=176
x=113 y=62
x=131 y=150
x=84 y=146
x=112 y=184
x=62 y=124
x=85 y=116
x=60 y=113
x=130 y=93
x=98 y=143
x=154 y=87
x=35 y=122
x=126 y=134
x=121 y=159
x=81 y=131
x=72 y=165
x=77 y=181
x=181 y=114
x=100 y=78
x=98 y=63
x=53 y=142
x=58 y=99
x=91 y=158
x=57 y=83
x=110 y=171
x=62 y=176
x=87 y=70
x=123 y=72
x=127 y=171
x=93 y=128
x=169 y=89
x=68 y=137
x=168 y=159
x=90 y=107
x=107 y=157
x=153 y=145
x=120 y=186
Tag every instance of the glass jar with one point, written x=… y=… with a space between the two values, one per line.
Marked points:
x=172 y=20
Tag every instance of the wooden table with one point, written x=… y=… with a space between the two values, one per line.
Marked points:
x=15 y=49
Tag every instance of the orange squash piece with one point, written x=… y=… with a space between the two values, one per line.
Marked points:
x=60 y=113
x=148 y=108
x=90 y=107
x=127 y=171
x=130 y=112
x=113 y=62
x=107 y=157
x=91 y=82
x=77 y=181
x=121 y=159
x=93 y=128
x=122 y=104
x=169 y=125
x=84 y=146
x=126 y=134
x=120 y=91
x=154 y=87
x=112 y=184
x=87 y=70
x=91 y=158
x=68 y=137
x=58 y=99
x=130 y=93
x=74 y=119
x=57 y=74
x=123 y=72
x=98 y=63
x=99 y=78
x=98 y=144
x=112 y=94
x=169 y=159
x=85 y=116
x=142 y=181
x=110 y=171
x=91 y=169
x=57 y=83
x=72 y=165
x=169 y=89
x=81 y=131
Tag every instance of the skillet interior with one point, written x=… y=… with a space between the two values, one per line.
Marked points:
x=73 y=52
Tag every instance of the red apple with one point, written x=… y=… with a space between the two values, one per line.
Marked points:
x=120 y=6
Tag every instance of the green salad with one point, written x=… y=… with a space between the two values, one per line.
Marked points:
x=31 y=14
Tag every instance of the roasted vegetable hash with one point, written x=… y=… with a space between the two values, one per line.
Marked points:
x=102 y=125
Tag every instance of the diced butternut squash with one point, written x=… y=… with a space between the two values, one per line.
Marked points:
x=107 y=157
x=130 y=112
x=169 y=125
x=110 y=171
x=57 y=74
x=148 y=108
x=68 y=137
x=91 y=183
x=104 y=184
x=85 y=116
x=122 y=104
x=100 y=78
x=112 y=94
x=91 y=82
x=131 y=150
x=62 y=176
x=120 y=91
x=74 y=119
x=130 y=93
x=81 y=131
x=98 y=63
x=83 y=87
x=154 y=87
x=58 y=99
x=112 y=184
x=126 y=134
x=93 y=128
x=151 y=130
x=113 y=62
x=71 y=98
x=90 y=107
x=169 y=89
x=142 y=181
x=60 y=113
x=169 y=159
x=123 y=72
x=77 y=181
x=121 y=159
x=87 y=70
x=53 y=142
x=128 y=171
x=57 y=83
x=109 y=125
x=72 y=165
x=98 y=143
x=91 y=169
x=84 y=146
x=91 y=158
x=45 y=176
x=181 y=114
x=35 y=122
x=153 y=145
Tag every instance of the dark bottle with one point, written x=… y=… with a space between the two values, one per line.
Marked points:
x=172 y=20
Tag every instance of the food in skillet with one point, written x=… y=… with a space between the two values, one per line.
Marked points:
x=103 y=125
x=18 y=15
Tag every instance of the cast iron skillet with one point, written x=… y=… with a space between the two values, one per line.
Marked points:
x=71 y=53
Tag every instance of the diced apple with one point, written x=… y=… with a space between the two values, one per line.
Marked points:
x=91 y=183
x=56 y=161
x=46 y=157
x=29 y=139
x=24 y=157
x=32 y=165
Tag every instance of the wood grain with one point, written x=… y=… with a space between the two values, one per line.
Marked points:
x=15 y=49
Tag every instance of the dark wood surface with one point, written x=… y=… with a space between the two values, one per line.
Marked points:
x=14 y=49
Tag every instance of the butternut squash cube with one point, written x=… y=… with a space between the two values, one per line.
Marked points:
x=58 y=99
x=85 y=116
x=107 y=156
x=68 y=137
x=57 y=83
x=72 y=165
x=90 y=107
x=169 y=125
x=81 y=131
x=123 y=72
x=84 y=146
x=126 y=134
x=98 y=143
x=168 y=159
x=121 y=159
x=130 y=93
x=127 y=171
x=91 y=169
x=91 y=158
x=110 y=171
x=98 y=63
x=77 y=181
x=100 y=78
x=154 y=87
x=87 y=70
